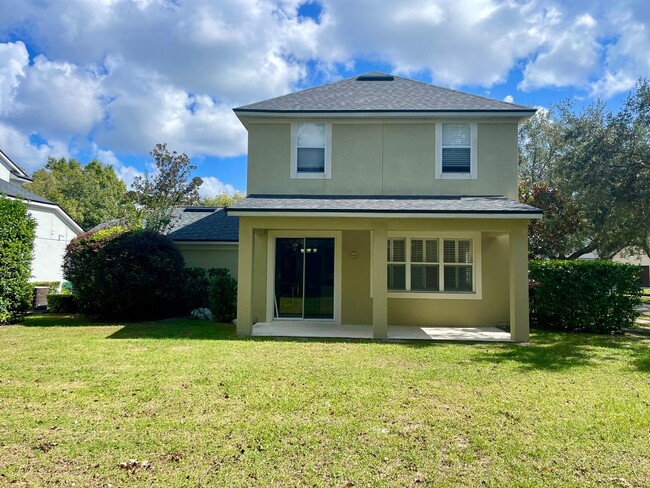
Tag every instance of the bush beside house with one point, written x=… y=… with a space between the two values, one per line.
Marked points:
x=126 y=274
x=211 y=288
x=17 y=232
x=593 y=296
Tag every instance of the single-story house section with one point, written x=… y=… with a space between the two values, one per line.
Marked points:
x=54 y=230
x=207 y=237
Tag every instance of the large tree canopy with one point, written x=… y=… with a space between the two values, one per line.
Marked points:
x=590 y=172
x=169 y=185
x=90 y=194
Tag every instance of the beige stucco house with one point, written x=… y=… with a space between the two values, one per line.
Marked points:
x=383 y=201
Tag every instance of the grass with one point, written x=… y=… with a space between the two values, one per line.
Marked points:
x=90 y=403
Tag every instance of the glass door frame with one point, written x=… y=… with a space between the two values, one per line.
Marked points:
x=270 y=273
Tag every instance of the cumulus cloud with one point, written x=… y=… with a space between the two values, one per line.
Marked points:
x=125 y=172
x=29 y=156
x=212 y=186
x=126 y=74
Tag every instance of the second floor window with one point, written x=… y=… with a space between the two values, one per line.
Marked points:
x=456 y=150
x=311 y=150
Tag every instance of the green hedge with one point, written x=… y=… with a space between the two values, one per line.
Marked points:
x=17 y=231
x=212 y=288
x=126 y=274
x=223 y=295
x=593 y=296
x=62 y=303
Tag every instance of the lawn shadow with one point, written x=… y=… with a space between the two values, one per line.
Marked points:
x=48 y=319
x=562 y=351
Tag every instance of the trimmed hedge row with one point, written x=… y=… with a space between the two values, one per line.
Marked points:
x=62 y=303
x=592 y=296
x=17 y=232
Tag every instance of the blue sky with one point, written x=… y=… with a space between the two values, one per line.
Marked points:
x=108 y=79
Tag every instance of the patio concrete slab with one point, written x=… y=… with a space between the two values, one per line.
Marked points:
x=330 y=330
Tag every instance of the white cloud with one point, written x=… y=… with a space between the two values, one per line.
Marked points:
x=213 y=186
x=29 y=156
x=126 y=173
x=509 y=99
x=126 y=74
x=13 y=60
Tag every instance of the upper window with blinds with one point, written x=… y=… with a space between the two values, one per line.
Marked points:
x=456 y=156
x=311 y=148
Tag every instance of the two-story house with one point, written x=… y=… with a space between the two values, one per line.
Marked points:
x=54 y=228
x=381 y=200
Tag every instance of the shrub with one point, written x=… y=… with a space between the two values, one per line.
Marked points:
x=122 y=274
x=593 y=296
x=17 y=231
x=223 y=295
x=196 y=287
x=62 y=303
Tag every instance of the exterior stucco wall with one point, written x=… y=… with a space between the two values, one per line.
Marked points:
x=210 y=256
x=493 y=308
x=52 y=237
x=383 y=158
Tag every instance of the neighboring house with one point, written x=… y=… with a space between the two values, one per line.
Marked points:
x=54 y=230
x=206 y=237
x=385 y=201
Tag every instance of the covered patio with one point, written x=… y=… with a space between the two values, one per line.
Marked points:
x=301 y=328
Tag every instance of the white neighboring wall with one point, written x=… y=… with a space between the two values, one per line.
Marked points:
x=53 y=234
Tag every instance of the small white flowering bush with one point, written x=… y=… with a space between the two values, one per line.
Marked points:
x=202 y=314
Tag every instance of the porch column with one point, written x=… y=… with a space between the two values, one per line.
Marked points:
x=379 y=281
x=245 y=279
x=519 y=282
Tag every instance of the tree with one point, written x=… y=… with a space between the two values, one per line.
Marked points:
x=221 y=200
x=169 y=185
x=597 y=163
x=17 y=231
x=90 y=194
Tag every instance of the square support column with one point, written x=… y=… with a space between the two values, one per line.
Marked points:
x=519 y=283
x=245 y=279
x=380 y=281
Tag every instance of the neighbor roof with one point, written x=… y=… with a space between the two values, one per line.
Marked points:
x=12 y=190
x=203 y=224
x=379 y=92
x=453 y=205
x=13 y=167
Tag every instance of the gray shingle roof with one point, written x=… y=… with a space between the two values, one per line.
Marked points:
x=398 y=95
x=204 y=224
x=12 y=190
x=383 y=204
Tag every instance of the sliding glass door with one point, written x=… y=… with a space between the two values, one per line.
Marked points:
x=304 y=277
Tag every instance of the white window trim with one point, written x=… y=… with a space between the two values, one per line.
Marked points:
x=473 y=174
x=327 y=174
x=477 y=279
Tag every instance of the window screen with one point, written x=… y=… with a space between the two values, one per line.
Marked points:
x=310 y=144
x=456 y=148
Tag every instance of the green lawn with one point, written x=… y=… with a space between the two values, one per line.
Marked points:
x=78 y=401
